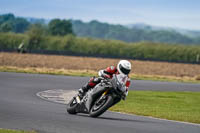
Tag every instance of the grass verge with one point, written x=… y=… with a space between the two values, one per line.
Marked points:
x=15 y=131
x=181 y=106
x=93 y=73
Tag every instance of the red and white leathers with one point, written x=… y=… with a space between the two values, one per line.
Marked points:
x=106 y=73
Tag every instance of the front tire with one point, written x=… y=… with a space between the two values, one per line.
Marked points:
x=101 y=105
x=71 y=106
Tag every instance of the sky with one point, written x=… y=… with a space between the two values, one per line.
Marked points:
x=167 y=13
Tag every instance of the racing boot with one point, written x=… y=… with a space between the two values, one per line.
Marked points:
x=83 y=90
x=92 y=82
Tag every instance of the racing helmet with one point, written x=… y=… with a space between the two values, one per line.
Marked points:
x=124 y=67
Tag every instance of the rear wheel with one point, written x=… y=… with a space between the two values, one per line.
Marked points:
x=101 y=105
x=71 y=106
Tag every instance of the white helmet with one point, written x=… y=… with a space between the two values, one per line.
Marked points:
x=124 y=67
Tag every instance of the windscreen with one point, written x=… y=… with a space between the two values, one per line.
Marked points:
x=122 y=79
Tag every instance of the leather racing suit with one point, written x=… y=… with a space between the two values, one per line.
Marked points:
x=106 y=73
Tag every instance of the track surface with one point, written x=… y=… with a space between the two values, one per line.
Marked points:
x=20 y=108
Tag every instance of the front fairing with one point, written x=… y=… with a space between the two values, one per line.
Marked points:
x=119 y=82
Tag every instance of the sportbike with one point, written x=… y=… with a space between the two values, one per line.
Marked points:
x=100 y=98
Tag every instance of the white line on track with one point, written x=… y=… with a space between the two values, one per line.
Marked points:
x=150 y=117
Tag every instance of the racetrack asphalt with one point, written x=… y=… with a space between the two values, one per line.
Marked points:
x=20 y=108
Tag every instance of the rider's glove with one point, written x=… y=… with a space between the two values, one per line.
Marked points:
x=104 y=75
x=124 y=96
x=125 y=93
x=107 y=76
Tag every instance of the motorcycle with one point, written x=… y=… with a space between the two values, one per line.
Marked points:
x=100 y=98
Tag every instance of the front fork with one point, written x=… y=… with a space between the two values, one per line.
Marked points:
x=105 y=93
x=116 y=99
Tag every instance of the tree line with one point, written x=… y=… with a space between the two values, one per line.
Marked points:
x=10 y=23
x=100 y=30
x=96 y=29
x=59 y=35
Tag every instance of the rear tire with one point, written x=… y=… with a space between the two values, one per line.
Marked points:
x=101 y=106
x=71 y=106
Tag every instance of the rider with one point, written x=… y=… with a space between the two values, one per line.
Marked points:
x=123 y=67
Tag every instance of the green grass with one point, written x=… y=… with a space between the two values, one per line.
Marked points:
x=164 y=78
x=181 y=106
x=15 y=131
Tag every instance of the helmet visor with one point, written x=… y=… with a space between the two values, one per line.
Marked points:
x=124 y=70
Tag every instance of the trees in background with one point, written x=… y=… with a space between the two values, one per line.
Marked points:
x=20 y=25
x=95 y=29
x=100 y=30
x=60 y=27
x=6 y=27
x=35 y=34
x=9 y=23
x=58 y=36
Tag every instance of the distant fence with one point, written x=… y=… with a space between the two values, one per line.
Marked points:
x=68 y=53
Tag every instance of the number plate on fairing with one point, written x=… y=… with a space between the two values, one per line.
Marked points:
x=78 y=99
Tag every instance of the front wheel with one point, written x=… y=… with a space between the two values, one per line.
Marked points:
x=101 y=105
x=71 y=106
